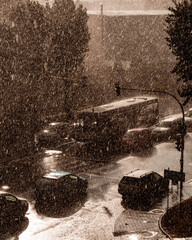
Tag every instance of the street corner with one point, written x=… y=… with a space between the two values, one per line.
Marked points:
x=133 y=224
x=176 y=222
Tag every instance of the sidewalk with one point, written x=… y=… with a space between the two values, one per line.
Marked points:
x=143 y=224
x=148 y=224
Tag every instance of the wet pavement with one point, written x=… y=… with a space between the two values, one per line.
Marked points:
x=144 y=224
x=101 y=214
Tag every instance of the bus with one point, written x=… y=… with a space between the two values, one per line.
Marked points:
x=106 y=123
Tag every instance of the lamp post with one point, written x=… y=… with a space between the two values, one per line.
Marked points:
x=183 y=130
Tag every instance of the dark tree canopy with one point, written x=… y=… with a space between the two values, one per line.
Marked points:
x=29 y=27
x=179 y=30
x=39 y=45
x=68 y=38
x=67 y=45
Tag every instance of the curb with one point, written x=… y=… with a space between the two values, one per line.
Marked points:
x=161 y=228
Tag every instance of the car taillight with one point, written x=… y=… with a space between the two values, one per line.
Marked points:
x=55 y=184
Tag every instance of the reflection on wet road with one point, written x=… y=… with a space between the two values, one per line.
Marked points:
x=99 y=214
x=13 y=230
x=61 y=209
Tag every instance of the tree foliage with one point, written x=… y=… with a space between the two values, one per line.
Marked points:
x=36 y=44
x=179 y=30
x=67 y=44
x=29 y=28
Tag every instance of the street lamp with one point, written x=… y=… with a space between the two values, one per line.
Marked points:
x=182 y=129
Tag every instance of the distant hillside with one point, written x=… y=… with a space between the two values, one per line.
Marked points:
x=120 y=5
x=126 y=5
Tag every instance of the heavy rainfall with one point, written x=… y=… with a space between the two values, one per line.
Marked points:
x=95 y=120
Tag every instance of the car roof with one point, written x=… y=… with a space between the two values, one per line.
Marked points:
x=170 y=119
x=175 y=119
x=138 y=173
x=56 y=174
x=158 y=128
x=5 y=193
x=137 y=129
x=188 y=119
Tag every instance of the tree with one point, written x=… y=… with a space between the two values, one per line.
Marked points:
x=28 y=26
x=22 y=64
x=36 y=43
x=67 y=45
x=179 y=30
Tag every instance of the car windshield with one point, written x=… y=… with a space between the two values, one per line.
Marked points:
x=10 y=198
x=131 y=180
x=47 y=181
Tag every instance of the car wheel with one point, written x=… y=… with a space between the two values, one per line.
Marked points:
x=125 y=198
x=83 y=190
x=150 y=145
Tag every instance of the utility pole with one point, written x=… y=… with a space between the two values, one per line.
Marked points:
x=102 y=25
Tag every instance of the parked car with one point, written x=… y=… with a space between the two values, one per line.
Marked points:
x=142 y=183
x=60 y=186
x=53 y=134
x=136 y=139
x=11 y=208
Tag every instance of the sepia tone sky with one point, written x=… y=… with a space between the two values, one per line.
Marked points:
x=139 y=3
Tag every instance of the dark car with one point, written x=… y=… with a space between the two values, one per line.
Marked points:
x=167 y=128
x=54 y=134
x=188 y=123
x=61 y=186
x=141 y=183
x=188 y=120
x=12 y=208
x=136 y=139
x=189 y=113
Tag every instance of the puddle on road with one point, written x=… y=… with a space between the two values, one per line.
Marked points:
x=140 y=236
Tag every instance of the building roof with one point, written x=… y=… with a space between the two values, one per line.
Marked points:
x=118 y=104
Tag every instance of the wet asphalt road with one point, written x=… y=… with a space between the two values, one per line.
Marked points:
x=89 y=217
